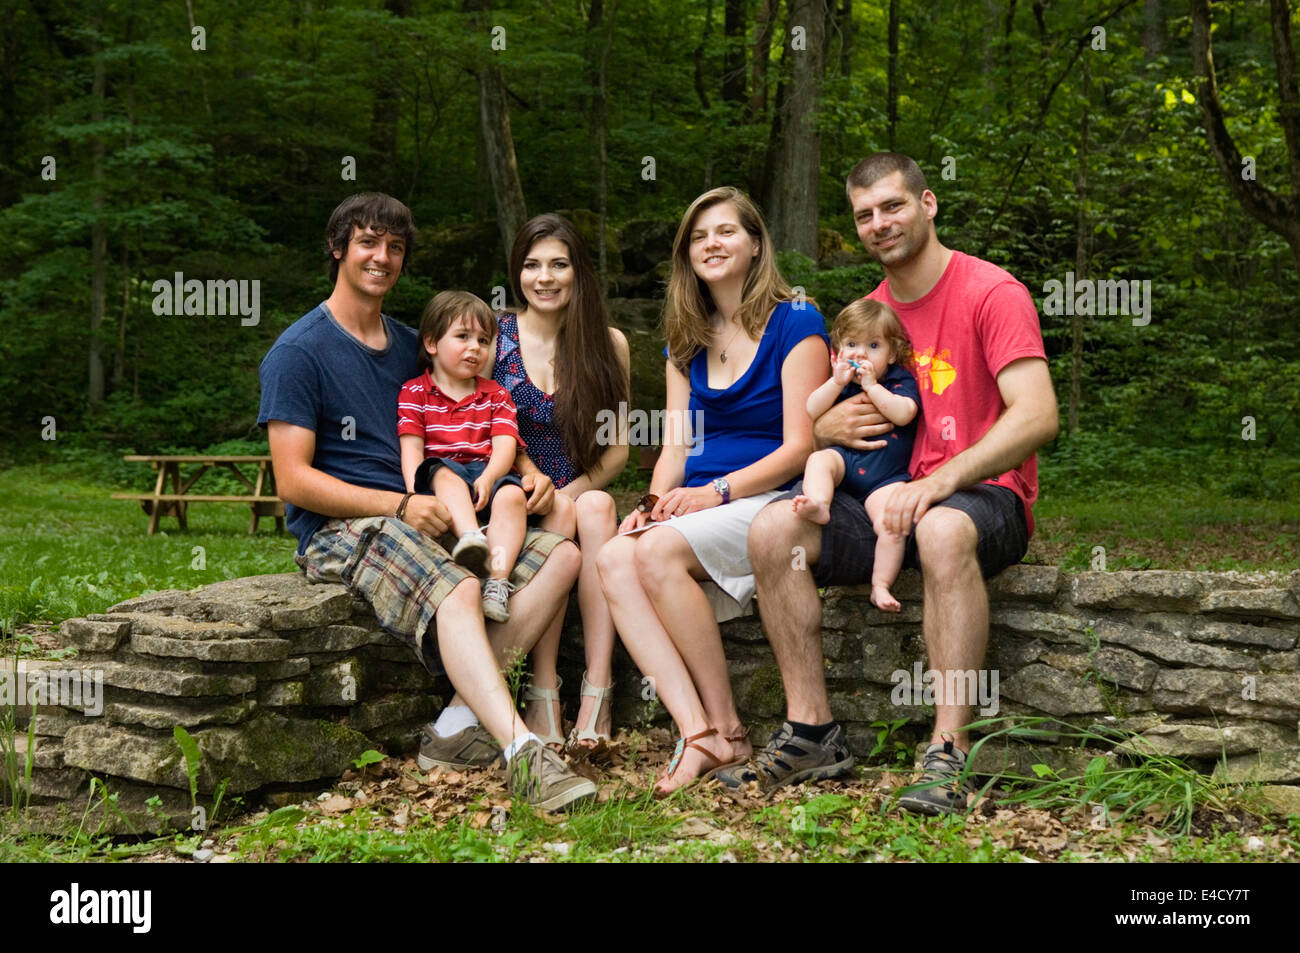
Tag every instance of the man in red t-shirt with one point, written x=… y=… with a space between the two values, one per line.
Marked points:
x=987 y=405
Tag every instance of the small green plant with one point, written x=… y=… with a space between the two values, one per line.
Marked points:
x=514 y=672
x=1137 y=785
x=897 y=752
x=367 y=757
x=193 y=757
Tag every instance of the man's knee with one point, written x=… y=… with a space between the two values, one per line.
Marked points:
x=779 y=539
x=946 y=542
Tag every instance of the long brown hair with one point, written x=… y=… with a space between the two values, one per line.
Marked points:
x=588 y=374
x=689 y=304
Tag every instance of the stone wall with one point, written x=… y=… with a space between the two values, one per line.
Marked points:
x=281 y=682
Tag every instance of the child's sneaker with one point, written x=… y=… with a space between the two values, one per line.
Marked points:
x=472 y=552
x=496 y=599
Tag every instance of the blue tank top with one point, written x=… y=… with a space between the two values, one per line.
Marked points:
x=743 y=423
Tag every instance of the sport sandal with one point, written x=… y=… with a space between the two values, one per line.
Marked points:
x=788 y=759
x=549 y=696
x=944 y=783
x=600 y=749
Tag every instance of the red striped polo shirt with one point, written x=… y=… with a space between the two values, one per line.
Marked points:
x=460 y=430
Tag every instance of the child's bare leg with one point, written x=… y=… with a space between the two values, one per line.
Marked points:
x=821 y=475
x=889 y=551
x=505 y=531
x=455 y=495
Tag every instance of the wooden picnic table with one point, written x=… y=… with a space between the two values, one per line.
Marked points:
x=261 y=497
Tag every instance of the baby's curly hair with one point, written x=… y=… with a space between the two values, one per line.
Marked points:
x=867 y=317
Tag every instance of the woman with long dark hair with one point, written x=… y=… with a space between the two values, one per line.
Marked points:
x=567 y=370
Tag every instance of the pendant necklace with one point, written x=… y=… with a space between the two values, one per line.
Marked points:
x=723 y=356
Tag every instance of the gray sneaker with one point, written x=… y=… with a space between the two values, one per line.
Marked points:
x=941 y=788
x=472 y=747
x=496 y=599
x=540 y=777
x=790 y=760
x=472 y=552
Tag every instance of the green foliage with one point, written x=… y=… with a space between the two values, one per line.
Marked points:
x=193 y=758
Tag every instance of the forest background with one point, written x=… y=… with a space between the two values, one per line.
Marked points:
x=139 y=142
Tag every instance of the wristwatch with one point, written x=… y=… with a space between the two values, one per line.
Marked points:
x=723 y=488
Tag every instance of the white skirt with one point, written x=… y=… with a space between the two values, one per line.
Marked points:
x=719 y=537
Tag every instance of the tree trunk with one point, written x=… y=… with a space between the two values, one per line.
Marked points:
x=499 y=145
x=795 y=224
x=1153 y=28
x=733 y=61
x=600 y=121
x=98 y=237
x=385 y=111
x=763 y=20
x=891 y=97
x=1278 y=213
x=846 y=38
x=1082 y=234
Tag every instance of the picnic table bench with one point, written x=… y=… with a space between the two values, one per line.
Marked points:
x=261 y=497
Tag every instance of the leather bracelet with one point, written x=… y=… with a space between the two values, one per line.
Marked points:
x=401 y=507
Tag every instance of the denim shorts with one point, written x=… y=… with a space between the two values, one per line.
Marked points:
x=849 y=542
x=469 y=472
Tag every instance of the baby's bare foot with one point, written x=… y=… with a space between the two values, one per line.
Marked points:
x=883 y=600
x=814 y=511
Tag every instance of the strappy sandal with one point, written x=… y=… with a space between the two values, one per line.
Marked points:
x=600 y=750
x=741 y=735
x=675 y=762
x=550 y=696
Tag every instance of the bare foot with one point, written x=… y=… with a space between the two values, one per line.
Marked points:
x=814 y=511
x=884 y=600
x=694 y=762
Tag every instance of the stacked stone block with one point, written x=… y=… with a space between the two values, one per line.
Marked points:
x=283 y=682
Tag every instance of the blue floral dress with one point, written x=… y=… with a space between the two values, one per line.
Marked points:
x=536 y=409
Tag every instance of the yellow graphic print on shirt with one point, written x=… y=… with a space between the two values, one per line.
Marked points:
x=938 y=372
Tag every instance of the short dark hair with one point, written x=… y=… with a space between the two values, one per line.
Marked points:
x=443 y=309
x=880 y=164
x=373 y=210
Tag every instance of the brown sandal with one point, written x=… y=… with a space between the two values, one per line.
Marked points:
x=675 y=761
x=738 y=736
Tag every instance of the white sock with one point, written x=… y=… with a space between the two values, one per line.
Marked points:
x=517 y=744
x=454 y=719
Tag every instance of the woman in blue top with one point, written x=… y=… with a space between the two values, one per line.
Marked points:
x=742 y=359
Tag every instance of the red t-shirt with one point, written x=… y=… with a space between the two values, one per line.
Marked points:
x=974 y=322
x=460 y=430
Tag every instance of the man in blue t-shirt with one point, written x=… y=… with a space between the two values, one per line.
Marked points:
x=329 y=403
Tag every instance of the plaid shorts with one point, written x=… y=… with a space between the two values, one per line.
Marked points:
x=403 y=574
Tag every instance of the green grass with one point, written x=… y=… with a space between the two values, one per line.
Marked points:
x=67 y=549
